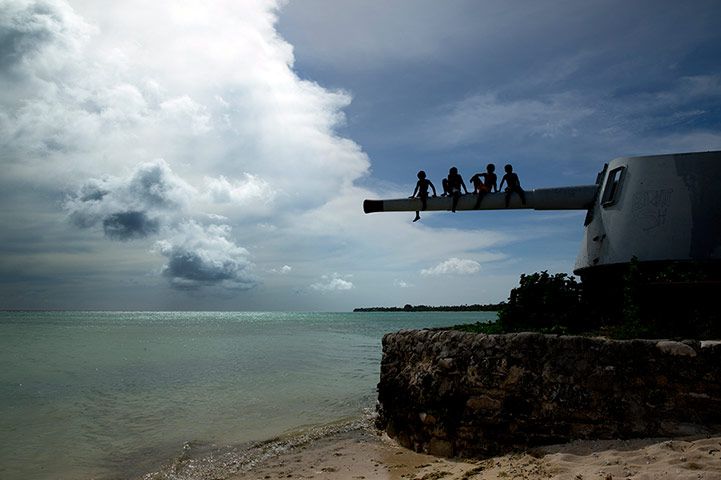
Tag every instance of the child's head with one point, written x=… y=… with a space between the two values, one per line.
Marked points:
x=491 y=168
x=453 y=171
x=421 y=175
x=508 y=168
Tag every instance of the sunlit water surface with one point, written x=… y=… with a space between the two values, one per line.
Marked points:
x=120 y=394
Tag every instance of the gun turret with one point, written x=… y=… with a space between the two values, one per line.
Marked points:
x=659 y=209
x=662 y=211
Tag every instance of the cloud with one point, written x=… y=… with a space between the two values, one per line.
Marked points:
x=354 y=35
x=91 y=93
x=128 y=88
x=26 y=28
x=285 y=269
x=333 y=283
x=129 y=225
x=633 y=118
x=485 y=117
x=453 y=266
x=130 y=207
x=203 y=256
x=249 y=189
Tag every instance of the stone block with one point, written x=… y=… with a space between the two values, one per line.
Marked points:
x=427 y=419
x=483 y=402
x=440 y=447
x=676 y=348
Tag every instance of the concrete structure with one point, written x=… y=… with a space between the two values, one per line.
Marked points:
x=465 y=394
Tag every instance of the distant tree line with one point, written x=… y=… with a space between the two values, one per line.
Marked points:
x=493 y=307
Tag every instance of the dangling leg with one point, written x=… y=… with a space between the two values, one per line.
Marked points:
x=424 y=205
x=481 y=194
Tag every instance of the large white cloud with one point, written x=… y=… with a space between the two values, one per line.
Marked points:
x=94 y=93
x=209 y=87
x=255 y=175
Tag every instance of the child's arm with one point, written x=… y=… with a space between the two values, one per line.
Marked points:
x=434 y=188
x=418 y=186
x=463 y=184
x=502 y=180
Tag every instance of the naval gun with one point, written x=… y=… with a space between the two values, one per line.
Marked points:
x=558 y=198
x=659 y=210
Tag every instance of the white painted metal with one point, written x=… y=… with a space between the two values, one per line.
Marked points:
x=666 y=207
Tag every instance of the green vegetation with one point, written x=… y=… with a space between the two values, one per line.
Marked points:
x=647 y=301
x=425 y=308
x=541 y=303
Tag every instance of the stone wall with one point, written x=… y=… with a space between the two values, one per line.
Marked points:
x=464 y=394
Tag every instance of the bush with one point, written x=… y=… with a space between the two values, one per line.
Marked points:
x=543 y=303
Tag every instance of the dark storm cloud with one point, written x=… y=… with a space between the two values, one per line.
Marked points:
x=202 y=256
x=130 y=225
x=130 y=208
x=148 y=202
x=190 y=270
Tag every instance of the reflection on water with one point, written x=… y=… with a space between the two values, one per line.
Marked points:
x=117 y=394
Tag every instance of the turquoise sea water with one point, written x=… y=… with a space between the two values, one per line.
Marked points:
x=115 y=395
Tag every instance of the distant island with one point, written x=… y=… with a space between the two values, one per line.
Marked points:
x=494 y=307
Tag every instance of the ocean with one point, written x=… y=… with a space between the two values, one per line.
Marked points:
x=124 y=395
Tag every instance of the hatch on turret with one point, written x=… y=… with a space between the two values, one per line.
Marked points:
x=613 y=185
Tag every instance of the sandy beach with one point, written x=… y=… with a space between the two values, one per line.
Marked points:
x=365 y=454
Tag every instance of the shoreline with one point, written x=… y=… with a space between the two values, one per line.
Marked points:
x=368 y=454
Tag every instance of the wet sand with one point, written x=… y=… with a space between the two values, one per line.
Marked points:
x=365 y=454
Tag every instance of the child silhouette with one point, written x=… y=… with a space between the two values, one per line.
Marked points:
x=452 y=187
x=422 y=191
x=514 y=185
x=483 y=183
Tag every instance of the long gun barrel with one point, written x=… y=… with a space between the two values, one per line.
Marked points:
x=559 y=198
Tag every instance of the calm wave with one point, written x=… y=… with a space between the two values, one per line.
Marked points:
x=119 y=394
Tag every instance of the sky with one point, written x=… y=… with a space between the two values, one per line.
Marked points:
x=182 y=155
